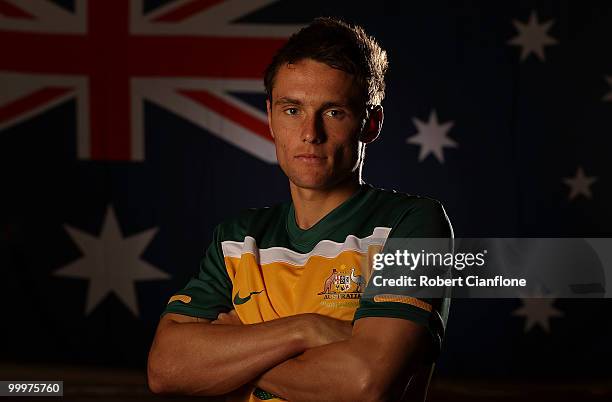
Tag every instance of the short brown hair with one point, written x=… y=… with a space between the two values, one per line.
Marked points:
x=339 y=45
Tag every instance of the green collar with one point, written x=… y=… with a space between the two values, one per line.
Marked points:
x=330 y=222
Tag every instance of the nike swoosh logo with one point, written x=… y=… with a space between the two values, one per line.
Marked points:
x=241 y=300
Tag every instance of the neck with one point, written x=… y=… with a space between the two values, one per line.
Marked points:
x=312 y=205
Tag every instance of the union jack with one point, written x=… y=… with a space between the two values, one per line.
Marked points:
x=187 y=56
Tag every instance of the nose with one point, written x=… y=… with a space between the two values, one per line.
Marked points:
x=312 y=131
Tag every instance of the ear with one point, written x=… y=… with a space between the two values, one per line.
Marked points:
x=269 y=112
x=373 y=125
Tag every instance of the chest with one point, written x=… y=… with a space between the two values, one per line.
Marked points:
x=278 y=282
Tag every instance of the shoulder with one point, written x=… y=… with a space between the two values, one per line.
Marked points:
x=405 y=203
x=414 y=215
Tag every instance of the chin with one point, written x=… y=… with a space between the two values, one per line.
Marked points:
x=311 y=183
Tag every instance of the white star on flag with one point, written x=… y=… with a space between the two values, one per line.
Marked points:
x=537 y=311
x=608 y=96
x=111 y=263
x=580 y=184
x=432 y=137
x=532 y=37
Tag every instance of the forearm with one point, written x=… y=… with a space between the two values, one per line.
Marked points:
x=374 y=364
x=327 y=373
x=206 y=359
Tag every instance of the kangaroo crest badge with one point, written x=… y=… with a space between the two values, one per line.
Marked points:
x=343 y=283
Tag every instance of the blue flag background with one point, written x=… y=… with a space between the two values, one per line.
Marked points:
x=518 y=147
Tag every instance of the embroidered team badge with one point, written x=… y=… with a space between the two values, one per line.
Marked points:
x=342 y=284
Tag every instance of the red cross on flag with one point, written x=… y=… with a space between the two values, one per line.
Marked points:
x=186 y=56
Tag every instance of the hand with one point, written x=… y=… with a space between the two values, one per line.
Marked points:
x=230 y=318
x=322 y=330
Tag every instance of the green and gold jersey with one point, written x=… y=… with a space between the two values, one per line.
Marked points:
x=265 y=267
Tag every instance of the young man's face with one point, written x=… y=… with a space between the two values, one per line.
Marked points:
x=315 y=119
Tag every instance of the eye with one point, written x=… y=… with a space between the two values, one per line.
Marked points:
x=336 y=113
x=292 y=111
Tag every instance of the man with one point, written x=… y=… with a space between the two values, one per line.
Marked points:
x=276 y=310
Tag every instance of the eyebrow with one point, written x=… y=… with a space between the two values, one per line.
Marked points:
x=328 y=105
x=290 y=101
x=283 y=100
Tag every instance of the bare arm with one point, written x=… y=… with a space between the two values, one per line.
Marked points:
x=192 y=356
x=374 y=364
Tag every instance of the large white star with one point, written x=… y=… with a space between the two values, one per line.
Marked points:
x=432 y=137
x=532 y=37
x=111 y=263
x=537 y=311
x=580 y=184
x=608 y=96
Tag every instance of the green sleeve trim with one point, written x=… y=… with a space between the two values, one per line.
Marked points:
x=430 y=320
x=176 y=307
x=392 y=309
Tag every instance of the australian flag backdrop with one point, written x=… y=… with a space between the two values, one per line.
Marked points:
x=129 y=129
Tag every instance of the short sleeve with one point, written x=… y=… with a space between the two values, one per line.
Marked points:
x=209 y=292
x=426 y=218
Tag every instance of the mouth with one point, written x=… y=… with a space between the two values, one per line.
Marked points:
x=310 y=158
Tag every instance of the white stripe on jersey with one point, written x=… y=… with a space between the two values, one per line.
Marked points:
x=325 y=248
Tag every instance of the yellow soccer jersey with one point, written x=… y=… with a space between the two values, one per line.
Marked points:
x=265 y=267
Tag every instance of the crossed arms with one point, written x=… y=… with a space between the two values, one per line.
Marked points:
x=306 y=357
